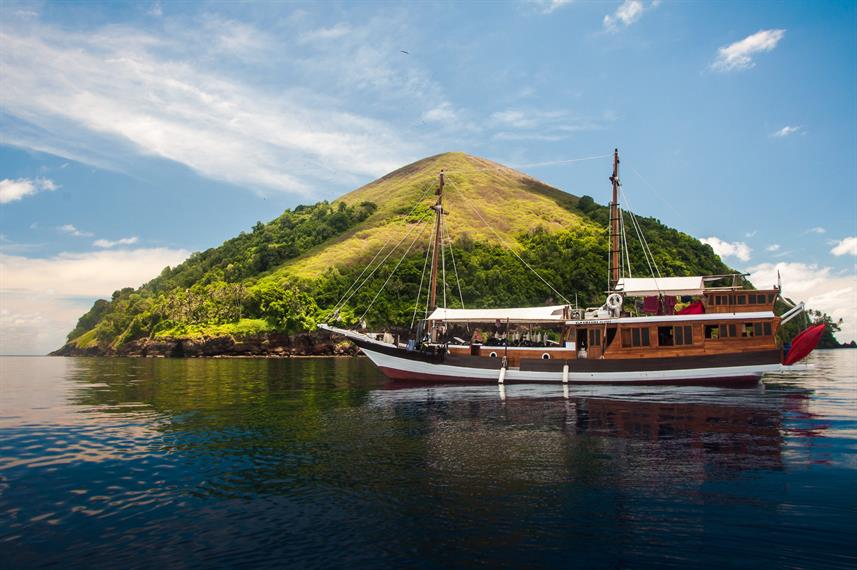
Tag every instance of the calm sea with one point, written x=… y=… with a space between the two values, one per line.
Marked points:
x=322 y=463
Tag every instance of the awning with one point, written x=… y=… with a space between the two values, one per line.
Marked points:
x=512 y=315
x=646 y=286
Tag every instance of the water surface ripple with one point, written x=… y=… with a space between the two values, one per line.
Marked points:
x=324 y=463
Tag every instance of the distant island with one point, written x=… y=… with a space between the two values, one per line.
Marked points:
x=262 y=292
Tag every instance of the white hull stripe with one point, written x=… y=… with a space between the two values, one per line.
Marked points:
x=417 y=368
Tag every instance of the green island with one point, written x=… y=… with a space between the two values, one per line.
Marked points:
x=264 y=291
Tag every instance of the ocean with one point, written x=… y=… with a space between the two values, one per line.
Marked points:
x=323 y=463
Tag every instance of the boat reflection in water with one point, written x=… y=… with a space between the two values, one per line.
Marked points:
x=552 y=433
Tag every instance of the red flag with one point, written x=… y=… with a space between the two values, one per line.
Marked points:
x=695 y=308
x=803 y=344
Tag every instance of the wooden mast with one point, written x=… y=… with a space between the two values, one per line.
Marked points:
x=435 y=256
x=614 y=223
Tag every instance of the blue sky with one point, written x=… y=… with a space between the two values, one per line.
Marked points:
x=135 y=133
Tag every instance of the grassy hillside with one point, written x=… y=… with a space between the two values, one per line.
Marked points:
x=510 y=201
x=285 y=275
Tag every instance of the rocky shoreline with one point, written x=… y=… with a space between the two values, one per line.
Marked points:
x=270 y=345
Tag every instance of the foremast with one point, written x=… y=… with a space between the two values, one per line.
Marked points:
x=435 y=256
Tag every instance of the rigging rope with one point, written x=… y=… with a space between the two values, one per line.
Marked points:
x=531 y=165
x=341 y=303
x=454 y=268
x=655 y=192
x=407 y=251
x=647 y=251
x=501 y=240
x=413 y=227
x=442 y=258
x=422 y=277
x=625 y=241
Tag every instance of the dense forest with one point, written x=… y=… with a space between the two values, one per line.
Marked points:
x=244 y=287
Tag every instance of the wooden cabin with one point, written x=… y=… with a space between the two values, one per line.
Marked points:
x=731 y=321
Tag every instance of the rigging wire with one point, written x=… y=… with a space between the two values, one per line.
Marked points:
x=342 y=300
x=413 y=227
x=655 y=192
x=442 y=257
x=407 y=251
x=501 y=240
x=530 y=165
x=647 y=251
x=625 y=241
x=454 y=268
x=422 y=278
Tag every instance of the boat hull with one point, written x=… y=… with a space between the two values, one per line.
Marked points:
x=406 y=367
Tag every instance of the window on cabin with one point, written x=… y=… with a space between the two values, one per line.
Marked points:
x=733 y=330
x=665 y=336
x=712 y=332
x=751 y=299
x=635 y=337
x=741 y=299
x=747 y=330
x=767 y=328
x=770 y=297
x=594 y=337
x=683 y=335
x=718 y=300
x=757 y=329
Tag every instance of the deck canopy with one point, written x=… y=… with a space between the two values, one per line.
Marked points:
x=553 y=314
x=648 y=286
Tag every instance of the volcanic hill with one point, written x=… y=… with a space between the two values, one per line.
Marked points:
x=254 y=293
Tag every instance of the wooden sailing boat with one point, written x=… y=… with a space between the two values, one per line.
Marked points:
x=726 y=334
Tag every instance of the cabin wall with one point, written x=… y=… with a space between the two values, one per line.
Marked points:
x=700 y=345
x=740 y=301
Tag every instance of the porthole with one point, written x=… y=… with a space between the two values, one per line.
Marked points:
x=546 y=356
x=493 y=355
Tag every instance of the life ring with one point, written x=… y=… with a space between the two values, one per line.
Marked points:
x=614 y=301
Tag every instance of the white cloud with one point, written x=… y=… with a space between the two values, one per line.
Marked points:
x=71 y=230
x=549 y=6
x=815 y=230
x=737 y=55
x=751 y=234
x=106 y=243
x=14 y=190
x=626 y=14
x=325 y=34
x=41 y=299
x=785 y=131
x=723 y=248
x=845 y=246
x=107 y=95
x=443 y=113
x=817 y=287
x=542 y=125
x=773 y=247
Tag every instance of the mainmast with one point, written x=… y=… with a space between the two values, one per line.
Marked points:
x=614 y=223
x=435 y=256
